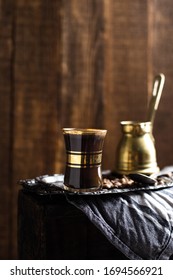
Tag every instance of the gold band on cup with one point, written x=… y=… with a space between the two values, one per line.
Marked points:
x=83 y=159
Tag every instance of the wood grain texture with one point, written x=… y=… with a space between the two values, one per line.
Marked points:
x=36 y=90
x=161 y=60
x=87 y=63
x=82 y=63
x=6 y=100
x=125 y=78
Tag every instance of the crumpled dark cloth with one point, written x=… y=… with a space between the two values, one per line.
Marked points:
x=139 y=224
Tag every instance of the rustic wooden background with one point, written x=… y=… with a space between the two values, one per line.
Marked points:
x=71 y=63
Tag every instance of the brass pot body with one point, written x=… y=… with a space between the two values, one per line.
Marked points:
x=136 y=151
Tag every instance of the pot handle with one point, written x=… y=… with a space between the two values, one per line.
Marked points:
x=156 y=95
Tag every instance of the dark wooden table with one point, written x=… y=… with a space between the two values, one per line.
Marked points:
x=51 y=228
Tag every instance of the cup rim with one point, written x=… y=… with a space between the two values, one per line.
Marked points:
x=73 y=130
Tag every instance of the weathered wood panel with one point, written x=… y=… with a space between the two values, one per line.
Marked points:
x=36 y=68
x=161 y=60
x=36 y=91
x=6 y=101
x=125 y=72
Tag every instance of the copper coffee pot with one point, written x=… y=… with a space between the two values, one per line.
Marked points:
x=136 y=151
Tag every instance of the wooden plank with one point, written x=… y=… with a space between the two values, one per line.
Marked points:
x=160 y=60
x=35 y=87
x=36 y=93
x=6 y=101
x=83 y=58
x=125 y=71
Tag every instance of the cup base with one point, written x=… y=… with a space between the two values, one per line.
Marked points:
x=80 y=190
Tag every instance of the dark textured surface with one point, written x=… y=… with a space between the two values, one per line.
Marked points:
x=51 y=228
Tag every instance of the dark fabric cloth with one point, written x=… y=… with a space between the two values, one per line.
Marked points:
x=139 y=224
